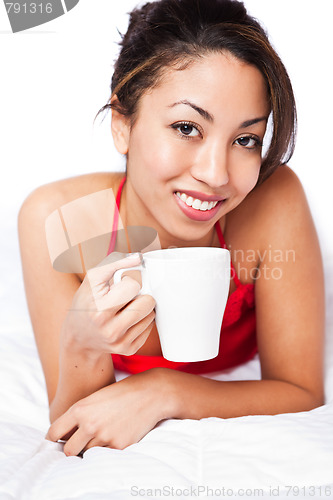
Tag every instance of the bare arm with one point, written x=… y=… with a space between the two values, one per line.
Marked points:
x=73 y=341
x=80 y=374
x=49 y=295
x=198 y=397
x=290 y=318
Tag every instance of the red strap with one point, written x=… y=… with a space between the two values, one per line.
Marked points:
x=120 y=188
x=233 y=273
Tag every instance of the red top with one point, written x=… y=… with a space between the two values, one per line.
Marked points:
x=238 y=332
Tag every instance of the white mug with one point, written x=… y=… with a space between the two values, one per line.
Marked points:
x=190 y=287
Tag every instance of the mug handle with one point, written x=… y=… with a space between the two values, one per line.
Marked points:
x=144 y=288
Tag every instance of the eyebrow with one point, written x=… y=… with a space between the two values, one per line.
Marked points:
x=207 y=116
x=248 y=123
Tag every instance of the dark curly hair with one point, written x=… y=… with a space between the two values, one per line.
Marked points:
x=174 y=33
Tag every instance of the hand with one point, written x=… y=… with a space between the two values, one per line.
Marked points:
x=108 y=318
x=116 y=416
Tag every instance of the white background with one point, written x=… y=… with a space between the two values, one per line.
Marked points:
x=55 y=77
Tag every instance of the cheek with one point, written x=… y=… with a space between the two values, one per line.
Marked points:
x=158 y=157
x=245 y=176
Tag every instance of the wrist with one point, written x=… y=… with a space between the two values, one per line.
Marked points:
x=71 y=345
x=166 y=393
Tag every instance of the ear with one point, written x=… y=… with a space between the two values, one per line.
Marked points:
x=120 y=128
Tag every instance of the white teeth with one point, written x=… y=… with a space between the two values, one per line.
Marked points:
x=196 y=203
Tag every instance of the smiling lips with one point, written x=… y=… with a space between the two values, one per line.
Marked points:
x=196 y=203
x=198 y=206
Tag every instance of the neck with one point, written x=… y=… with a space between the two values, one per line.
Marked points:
x=134 y=213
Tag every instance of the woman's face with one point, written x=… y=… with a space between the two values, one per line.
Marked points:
x=194 y=152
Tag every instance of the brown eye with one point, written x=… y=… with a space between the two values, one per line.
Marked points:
x=248 y=142
x=186 y=130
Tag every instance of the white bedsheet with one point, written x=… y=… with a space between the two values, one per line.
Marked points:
x=251 y=457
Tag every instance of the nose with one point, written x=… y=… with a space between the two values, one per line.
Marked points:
x=211 y=164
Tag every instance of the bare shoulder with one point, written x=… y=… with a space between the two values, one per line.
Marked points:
x=48 y=197
x=282 y=191
x=274 y=208
x=44 y=200
x=283 y=180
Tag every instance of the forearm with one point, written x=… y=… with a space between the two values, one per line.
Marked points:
x=198 y=397
x=80 y=374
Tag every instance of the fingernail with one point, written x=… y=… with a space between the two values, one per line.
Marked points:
x=135 y=256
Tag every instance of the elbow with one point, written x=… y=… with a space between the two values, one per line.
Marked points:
x=313 y=399
x=317 y=400
x=299 y=398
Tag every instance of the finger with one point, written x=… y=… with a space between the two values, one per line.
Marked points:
x=140 y=339
x=141 y=305
x=101 y=274
x=131 y=342
x=77 y=442
x=118 y=296
x=62 y=427
x=137 y=330
x=94 y=442
x=116 y=444
x=137 y=310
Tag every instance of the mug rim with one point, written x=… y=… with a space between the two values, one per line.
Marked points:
x=164 y=253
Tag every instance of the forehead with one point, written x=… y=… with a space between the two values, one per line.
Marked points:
x=218 y=82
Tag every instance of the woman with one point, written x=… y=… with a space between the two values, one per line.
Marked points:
x=192 y=92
